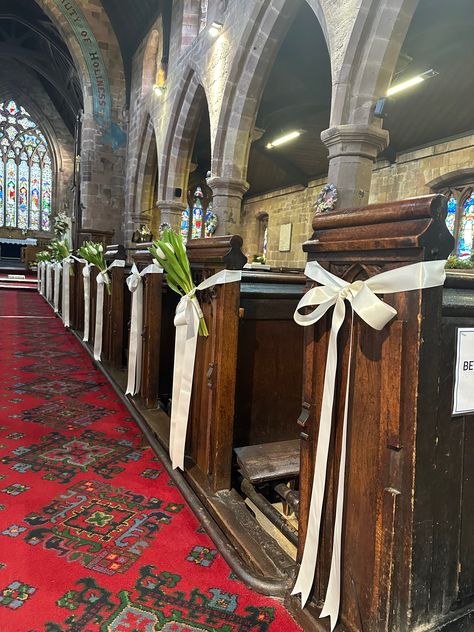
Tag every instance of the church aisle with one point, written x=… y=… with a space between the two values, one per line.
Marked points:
x=93 y=534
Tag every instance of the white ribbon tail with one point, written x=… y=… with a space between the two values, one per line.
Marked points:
x=99 y=317
x=333 y=593
x=86 y=273
x=66 y=286
x=187 y=328
x=57 y=285
x=135 y=347
x=304 y=581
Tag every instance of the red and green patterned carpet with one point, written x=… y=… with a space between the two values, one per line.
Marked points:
x=93 y=534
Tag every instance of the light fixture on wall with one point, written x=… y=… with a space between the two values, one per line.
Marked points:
x=215 y=29
x=159 y=90
x=413 y=81
x=286 y=138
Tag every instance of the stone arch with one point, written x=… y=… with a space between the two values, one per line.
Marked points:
x=370 y=59
x=180 y=137
x=103 y=81
x=250 y=70
x=147 y=169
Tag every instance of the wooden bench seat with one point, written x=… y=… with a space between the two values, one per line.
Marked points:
x=279 y=460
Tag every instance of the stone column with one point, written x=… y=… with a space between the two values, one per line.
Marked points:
x=227 y=194
x=352 y=152
x=168 y=211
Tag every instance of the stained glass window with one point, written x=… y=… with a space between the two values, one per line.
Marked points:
x=185 y=225
x=198 y=220
x=26 y=175
x=197 y=214
x=451 y=216
x=466 y=228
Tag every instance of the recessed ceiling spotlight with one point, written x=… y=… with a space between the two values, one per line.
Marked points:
x=411 y=82
x=159 y=90
x=286 y=138
x=215 y=29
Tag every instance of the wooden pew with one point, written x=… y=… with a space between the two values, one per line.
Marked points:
x=407 y=558
x=159 y=304
x=114 y=312
x=76 y=300
x=246 y=396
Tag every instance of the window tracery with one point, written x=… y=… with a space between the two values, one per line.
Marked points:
x=460 y=218
x=26 y=177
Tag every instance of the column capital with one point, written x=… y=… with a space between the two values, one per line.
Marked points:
x=172 y=206
x=365 y=141
x=230 y=187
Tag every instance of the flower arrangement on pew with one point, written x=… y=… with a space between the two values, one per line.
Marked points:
x=170 y=254
x=59 y=251
x=93 y=253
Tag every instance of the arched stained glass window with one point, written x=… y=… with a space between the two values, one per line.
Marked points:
x=26 y=176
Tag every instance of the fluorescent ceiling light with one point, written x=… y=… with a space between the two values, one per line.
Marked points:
x=215 y=29
x=411 y=82
x=284 y=139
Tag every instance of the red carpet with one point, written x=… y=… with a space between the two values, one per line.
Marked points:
x=93 y=534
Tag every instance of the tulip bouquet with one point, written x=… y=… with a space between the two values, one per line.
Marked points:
x=44 y=255
x=94 y=253
x=59 y=250
x=170 y=253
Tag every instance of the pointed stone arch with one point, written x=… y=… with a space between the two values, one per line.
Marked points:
x=146 y=188
x=250 y=70
x=181 y=134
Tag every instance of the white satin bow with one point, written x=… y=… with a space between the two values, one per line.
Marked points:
x=135 y=285
x=364 y=302
x=186 y=321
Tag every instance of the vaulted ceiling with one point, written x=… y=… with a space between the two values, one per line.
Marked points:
x=28 y=37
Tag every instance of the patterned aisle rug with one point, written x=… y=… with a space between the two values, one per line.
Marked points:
x=93 y=533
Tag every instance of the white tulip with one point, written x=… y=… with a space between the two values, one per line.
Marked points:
x=159 y=253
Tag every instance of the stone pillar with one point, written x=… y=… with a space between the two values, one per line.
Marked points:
x=168 y=211
x=227 y=194
x=352 y=152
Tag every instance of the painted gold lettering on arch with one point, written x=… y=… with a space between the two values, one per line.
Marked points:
x=97 y=71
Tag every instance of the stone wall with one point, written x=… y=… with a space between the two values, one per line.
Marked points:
x=413 y=170
x=408 y=176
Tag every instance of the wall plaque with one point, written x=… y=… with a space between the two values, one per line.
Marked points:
x=285 y=238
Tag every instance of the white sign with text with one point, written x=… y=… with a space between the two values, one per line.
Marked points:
x=463 y=398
